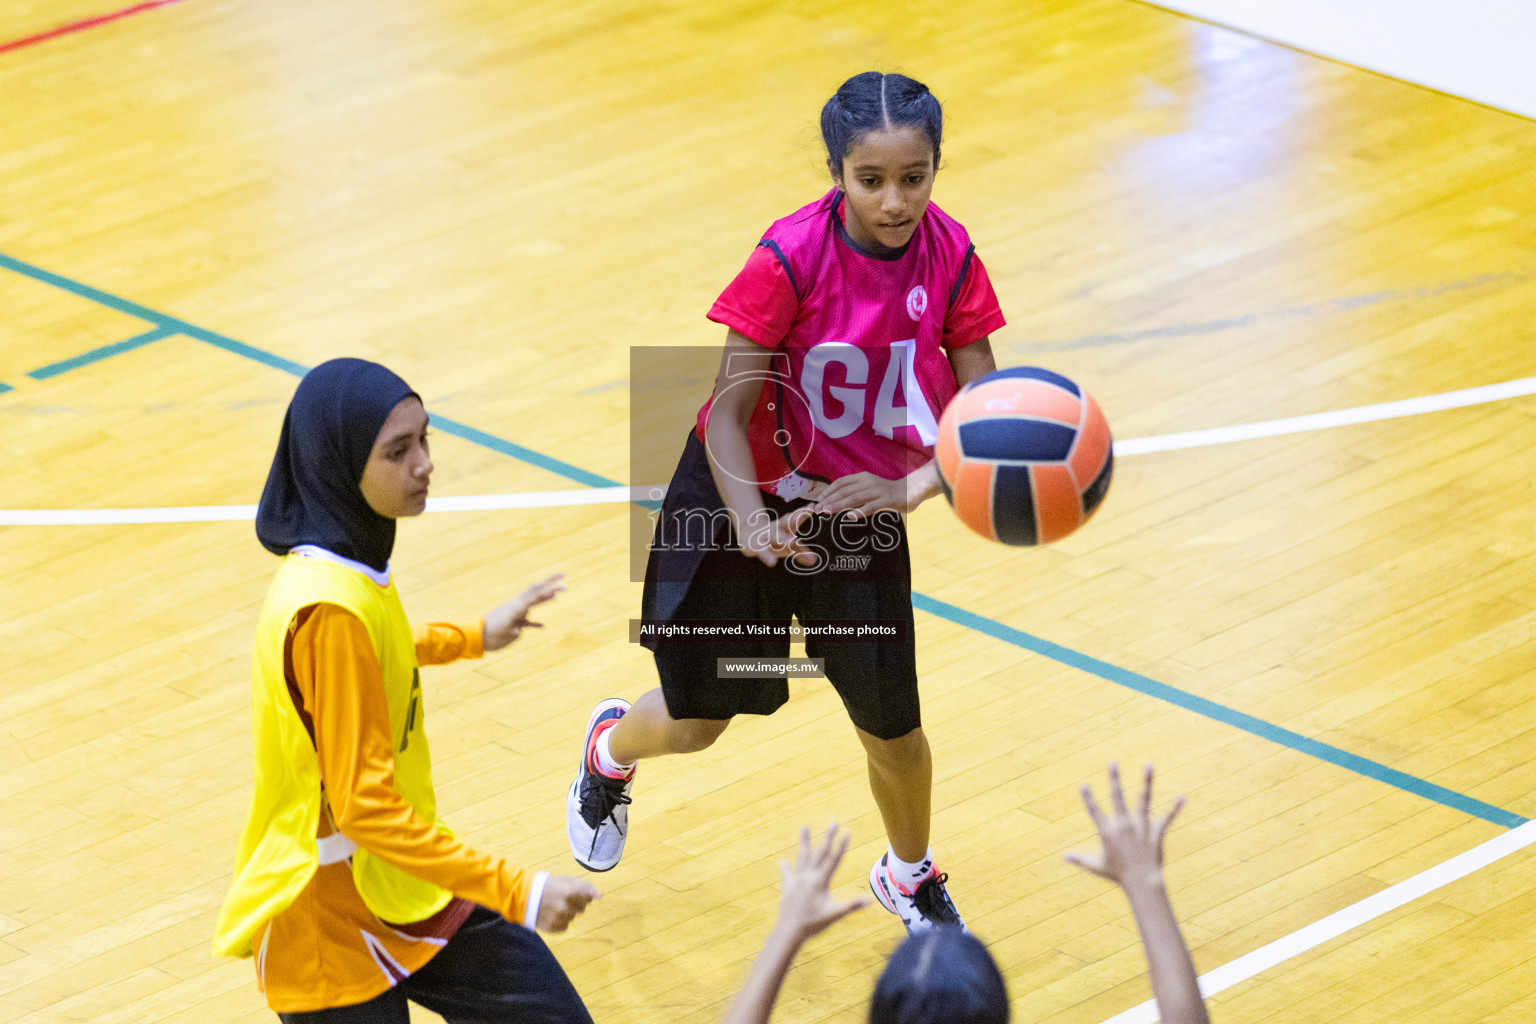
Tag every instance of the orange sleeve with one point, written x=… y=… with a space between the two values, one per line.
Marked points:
x=438 y=643
x=339 y=680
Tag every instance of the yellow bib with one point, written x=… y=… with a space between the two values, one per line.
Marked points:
x=278 y=852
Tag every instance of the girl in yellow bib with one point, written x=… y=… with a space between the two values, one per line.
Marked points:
x=350 y=894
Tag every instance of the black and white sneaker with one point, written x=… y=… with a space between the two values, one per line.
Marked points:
x=927 y=906
x=597 y=807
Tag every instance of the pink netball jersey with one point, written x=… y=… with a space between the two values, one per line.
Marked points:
x=860 y=376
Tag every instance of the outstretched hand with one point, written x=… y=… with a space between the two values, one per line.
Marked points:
x=1132 y=858
x=1132 y=844
x=807 y=907
x=506 y=622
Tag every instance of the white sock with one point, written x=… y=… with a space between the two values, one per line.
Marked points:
x=605 y=762
x=908 y=875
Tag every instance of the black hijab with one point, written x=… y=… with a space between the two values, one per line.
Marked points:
x=312 y=494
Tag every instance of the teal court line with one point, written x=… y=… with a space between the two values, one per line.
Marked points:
x=1218 y=712
x=959 y=616
x=96 y=355
x=172 y=325
x=5 y=387
x=517 y=451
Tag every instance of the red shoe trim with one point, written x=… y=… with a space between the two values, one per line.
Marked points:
x=932 y=873
x=592 y=763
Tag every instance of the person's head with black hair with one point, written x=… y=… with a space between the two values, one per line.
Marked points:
x=945 y=975
x=352 y=458
x=883 y=135
x=940 y=976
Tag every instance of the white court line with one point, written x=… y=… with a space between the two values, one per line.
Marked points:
x=546 y=499
x=104 y=516
x=235 y=513
x=1324 y=420
x=1352 y=916
x=604 y=495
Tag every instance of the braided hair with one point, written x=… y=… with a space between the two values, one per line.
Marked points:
x=873 y=102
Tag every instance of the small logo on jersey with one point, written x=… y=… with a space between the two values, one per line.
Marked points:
x=791 y=486
x=917 y=302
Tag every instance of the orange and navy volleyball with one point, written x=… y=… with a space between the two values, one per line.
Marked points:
x=1024 y=455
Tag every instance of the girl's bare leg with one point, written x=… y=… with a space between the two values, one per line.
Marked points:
x=901 y=779
x=647 y=730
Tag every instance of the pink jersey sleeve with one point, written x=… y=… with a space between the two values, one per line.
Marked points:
x=761 y=302
x=975 y=312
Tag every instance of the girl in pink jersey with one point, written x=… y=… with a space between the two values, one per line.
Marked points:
x=853 y=323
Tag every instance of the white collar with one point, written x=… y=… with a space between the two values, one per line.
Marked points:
x=315 y=551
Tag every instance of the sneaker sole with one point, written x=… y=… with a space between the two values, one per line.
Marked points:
x=581 y=767
x=570 y=798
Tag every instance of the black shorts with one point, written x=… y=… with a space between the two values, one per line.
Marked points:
x=491 y=969
x=863 y=577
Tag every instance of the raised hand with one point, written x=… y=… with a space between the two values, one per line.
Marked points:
x=807 y=907
x=506 y=622
x=1132 y=857
x=1132 y=844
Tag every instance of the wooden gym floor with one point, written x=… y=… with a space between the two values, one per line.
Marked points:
x=501 y=201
